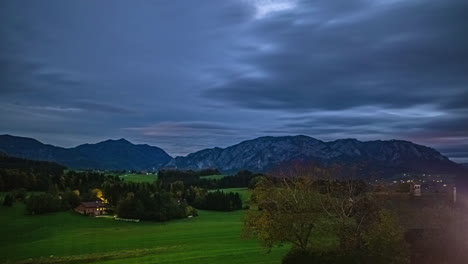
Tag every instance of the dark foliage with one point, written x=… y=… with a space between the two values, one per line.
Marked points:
x=84 y=181
x=157 y=202
x=33 y=175
x=219 y=201
x=157 y=206
x=52 y=201
x=147 y=201
x=241 y=179
x=16 y=173
x=70 y=199
x=193 y=178
x=19 y=194
x=187 y=176
x=130 y=208
x=43 y=203
x=8 y=200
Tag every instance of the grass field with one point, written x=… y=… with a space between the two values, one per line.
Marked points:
x=132 y=177
x=243 y=192
x=213 y=237
x=213 y=177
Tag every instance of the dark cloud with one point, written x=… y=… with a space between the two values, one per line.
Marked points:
x=104 y=107
x=393 y=55
x=186 y=75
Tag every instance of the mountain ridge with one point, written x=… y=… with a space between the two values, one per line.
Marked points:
x=258 y=154
x=264 y=153
x=110 y=154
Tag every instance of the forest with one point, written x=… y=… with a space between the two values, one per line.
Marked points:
x=176 y=194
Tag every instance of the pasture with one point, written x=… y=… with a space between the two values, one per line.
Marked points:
x=139 y=178
x=66 y=237
x=136 y=177
x=213 y=177
x=243 y=192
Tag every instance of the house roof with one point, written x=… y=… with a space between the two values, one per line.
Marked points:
x=93 y=204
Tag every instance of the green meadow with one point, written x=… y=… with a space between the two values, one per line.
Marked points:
x=134 y=177
x=213 y=177
x=243 y=192
x=66 y=237
x=139 y=178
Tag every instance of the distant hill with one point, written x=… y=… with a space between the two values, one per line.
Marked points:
x=18 y=173
x=259 y=155
x=264 y=153
x=465 y=165
x=110 y=154
x=8 y=162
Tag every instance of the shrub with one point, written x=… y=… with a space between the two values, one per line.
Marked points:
x=8 y=200
x=43 y=203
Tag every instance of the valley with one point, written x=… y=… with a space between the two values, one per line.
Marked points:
x=212 y=237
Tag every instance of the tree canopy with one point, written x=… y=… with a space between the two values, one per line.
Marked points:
x=325 y=219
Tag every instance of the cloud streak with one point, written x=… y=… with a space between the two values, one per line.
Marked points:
x=227 y=71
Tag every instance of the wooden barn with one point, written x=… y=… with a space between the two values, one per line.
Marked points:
x=91 y=208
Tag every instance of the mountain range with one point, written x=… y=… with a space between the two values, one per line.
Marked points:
x=107 y=155
x=260 y=155
x=264 y=153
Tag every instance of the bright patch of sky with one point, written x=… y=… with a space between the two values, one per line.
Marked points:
x=266 y=8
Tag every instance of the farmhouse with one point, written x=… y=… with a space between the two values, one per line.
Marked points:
x=91 y=208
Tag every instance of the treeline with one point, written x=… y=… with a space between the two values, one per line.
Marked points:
x=154 y=206
x=7 y=162
x=16 y=173
x=147 y=201
x=219 y=201
x=52 y=201
x=174 y=195
x=196 y=193
x=160 y=202
x=241 y=179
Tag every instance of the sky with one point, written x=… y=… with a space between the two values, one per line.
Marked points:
x=188 y=75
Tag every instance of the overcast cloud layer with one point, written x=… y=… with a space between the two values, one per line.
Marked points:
x=186 y=75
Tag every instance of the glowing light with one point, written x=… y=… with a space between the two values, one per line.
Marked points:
x=265 y=8
x=99 y=195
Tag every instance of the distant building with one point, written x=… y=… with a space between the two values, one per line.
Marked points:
x=415 y=189
x=91 y=208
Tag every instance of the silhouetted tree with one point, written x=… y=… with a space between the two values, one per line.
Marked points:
x=130 y=207
x=219 y=201
x=8 y=200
